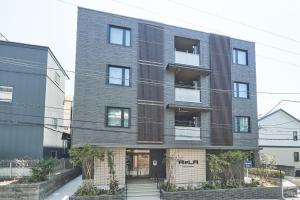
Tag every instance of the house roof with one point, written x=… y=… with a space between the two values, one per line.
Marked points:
x=36 y=47
x=283 y=111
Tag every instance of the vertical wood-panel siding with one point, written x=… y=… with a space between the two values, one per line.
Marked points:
x=221 y=101
x=150 y=120
x=150 y=85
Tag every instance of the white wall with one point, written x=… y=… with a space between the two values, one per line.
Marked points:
x=67 y=113
x=277 y=130
x=282 y=155
x=55 y=94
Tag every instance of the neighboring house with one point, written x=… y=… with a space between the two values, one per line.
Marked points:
x=148 y=90
x=68 y=106
x=68 y=114
x=32 y=91
x=279 y=137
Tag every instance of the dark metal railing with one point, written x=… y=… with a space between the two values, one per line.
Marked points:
x=157 y=181
x=126 y=188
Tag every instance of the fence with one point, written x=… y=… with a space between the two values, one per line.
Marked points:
x=19 y=168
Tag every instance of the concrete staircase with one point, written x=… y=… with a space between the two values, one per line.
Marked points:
x=142 y=190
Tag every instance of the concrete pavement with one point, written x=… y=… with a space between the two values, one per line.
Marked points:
x=67 y=190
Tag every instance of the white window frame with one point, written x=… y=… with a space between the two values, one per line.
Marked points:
x=55 y=123
x=10 y=93
x=295 y=135
x=296 y=156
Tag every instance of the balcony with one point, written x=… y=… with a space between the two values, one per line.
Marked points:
x=187 y=133
x=187 y=51
x=187 y=58
x=187 y=125
x=187 y=95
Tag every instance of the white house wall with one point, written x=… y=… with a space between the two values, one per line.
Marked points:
x=55 y=94
x=277 y=130
x=282 y=155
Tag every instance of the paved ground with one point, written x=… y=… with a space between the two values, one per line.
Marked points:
x=66 y=191
x=143 y=198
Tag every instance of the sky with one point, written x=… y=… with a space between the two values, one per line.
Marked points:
x=272 y=24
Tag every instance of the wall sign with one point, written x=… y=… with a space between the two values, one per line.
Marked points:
x=188 y=162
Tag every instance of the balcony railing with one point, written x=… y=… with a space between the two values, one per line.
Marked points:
x=187 y=133
x=187 y=58
x=187 y=95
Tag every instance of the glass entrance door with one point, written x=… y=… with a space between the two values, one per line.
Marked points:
x=137 y=163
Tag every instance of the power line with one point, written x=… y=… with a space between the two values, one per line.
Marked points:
x=236 y=22
x=149 y=81
x=146 y=122
x=216 y=125
x=2 y=37
x=110 y=131
x=151 y=11
x=127 y=132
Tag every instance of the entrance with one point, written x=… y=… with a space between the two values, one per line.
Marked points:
x=137 y=163
x=145 y=163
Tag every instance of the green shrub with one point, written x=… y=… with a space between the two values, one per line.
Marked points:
x=168 y=187
x=266 y=172
x=41 y=170
x=89 y=189
x=254 y=183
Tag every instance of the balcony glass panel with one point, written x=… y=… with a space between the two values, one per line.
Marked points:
x=187 y=133
x=187 y=58
x=187 y=95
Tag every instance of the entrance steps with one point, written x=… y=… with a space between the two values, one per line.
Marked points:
x=142 y=191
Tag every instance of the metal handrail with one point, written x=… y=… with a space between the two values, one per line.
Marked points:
x=125 y=188
x=158 y=185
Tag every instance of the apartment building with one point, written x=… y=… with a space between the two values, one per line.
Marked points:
x=161 y=97
x=32 y=91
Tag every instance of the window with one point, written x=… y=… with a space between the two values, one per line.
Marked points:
x=120 y=35
x=241 y=90
x=118 y=117
x=57 y=78
x=295 y=135
x=53 y=154
x=242 y=124
x=296 y=156
x=118 y=75
x=54 y=123
x=240 y=57
x=6 y=94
